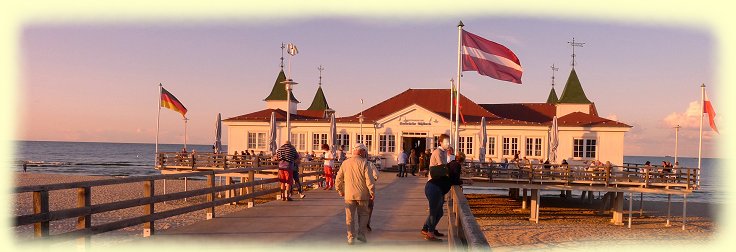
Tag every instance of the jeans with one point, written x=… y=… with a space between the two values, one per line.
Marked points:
x=356 y=211
x=402 y=170
x=436 y=200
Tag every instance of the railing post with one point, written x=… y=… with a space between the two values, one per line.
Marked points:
x=211 y=196
x=148 y=191
x=251 y=189
x=84 y=199
x=41 y=205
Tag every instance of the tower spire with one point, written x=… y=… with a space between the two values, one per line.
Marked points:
x=282 y=55
x=320 y=69
x=554 y=69
x=573 y=44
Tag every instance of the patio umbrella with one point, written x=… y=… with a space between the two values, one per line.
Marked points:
x=218 y=134
x=553 y=141
x=272 y=134
x=483 y=141
x=333 y=132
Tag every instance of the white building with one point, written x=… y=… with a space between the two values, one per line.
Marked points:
x=416 y=117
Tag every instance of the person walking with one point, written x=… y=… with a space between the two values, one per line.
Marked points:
x=329 y=163
x=355 y=182
x=423 y=160
x=413 y=162
x=287 y=156
x=295 y=176
x=433 y=190
x=402 y=164
x=371 y=202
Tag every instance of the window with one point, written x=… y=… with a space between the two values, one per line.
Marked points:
x=386 y=143
x=492 y=146
x=533 y=146
x=510 y=145
x=343 y=139
x=436 y=142
x=299 y=140
x=584 y=148
x=256 y=140
x=368 y=140
x=465 y=144
x=317 y=140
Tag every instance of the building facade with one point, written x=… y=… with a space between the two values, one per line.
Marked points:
x=415 y=118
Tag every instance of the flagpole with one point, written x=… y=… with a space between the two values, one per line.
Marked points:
x=158 y=120
x=185 y=132
x=452 y=101
x=700 y=141
x=459 y=71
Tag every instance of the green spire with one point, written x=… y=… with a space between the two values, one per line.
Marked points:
x=552 y=96
x=278 y=93
x=319 y=102
x=573 y=92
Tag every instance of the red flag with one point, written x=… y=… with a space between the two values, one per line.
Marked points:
x=489 y=58
x=708 y=109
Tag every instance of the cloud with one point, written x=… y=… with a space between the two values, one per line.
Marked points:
x=687 y=120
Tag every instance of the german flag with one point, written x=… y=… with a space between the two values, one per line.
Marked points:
x=169 y=101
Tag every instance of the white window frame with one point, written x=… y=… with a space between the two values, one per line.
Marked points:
x=317 y=140
x=582 y=149
x=299 y=141
x=368 y=140
x=259 y=141
x=533 y=146
x=465 y=144
x=513 y=146
x=491 y=146
x=343 y=139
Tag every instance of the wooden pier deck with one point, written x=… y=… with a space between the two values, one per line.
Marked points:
x=319 y=220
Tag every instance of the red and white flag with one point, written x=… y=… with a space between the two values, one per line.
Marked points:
x=489 y=58
x=708 y=109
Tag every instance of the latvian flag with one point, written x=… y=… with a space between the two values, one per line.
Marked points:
x=489 y=58
x=169 y=101
x=708 y=109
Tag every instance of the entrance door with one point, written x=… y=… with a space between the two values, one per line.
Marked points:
x=418 y=144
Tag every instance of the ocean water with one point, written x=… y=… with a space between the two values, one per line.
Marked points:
x=133 y=159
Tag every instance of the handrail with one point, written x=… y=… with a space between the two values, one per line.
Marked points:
x=620 y=176
x=465 y=233
x=84 y=210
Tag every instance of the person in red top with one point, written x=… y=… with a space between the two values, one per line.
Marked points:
x=329 y=164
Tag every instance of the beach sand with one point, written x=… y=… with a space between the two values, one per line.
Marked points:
x=63 y=199
x=571 y=224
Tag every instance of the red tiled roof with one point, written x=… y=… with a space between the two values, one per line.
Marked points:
x=435 y=100
x=579 y=119
x=265 y=116
x=528 y=112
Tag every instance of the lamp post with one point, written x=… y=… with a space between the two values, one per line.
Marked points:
x=288 y=83
x=677 y=135
x=360 y=119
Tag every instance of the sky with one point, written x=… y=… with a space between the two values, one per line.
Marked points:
x=98 y=81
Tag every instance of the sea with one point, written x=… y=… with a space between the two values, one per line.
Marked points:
x=137 y=159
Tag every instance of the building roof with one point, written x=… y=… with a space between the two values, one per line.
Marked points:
x=319 y=102
x=435 y=100
x=552 y=98
x=278 y=93
x=438 y=102
x=573 y=92
x=265 y=116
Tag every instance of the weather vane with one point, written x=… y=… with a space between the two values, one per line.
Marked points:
x=554 y=69
x=320 y=68
x=282 y=55
x=573 y=44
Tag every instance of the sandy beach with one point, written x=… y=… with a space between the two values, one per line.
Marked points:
x=569 y=224
x=67 y=199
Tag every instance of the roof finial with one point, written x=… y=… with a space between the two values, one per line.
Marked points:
x=554 y=69
x=320 y=68
x=573 y=44
x=282 y=55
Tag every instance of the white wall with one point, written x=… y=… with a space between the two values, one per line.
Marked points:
x=567 y=108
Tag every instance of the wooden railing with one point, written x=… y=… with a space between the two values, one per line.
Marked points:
x=617 y=176
x=42 y=216
x=464 y=232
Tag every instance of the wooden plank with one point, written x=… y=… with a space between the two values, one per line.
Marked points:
x=149 y=191
x=211 y=196
x=41 y=206
x=84 y=199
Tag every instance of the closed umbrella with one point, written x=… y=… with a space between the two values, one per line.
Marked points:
x=272 y=134
x=333 y=132
x=218 y=134
x=483 y=140
x=553 y=141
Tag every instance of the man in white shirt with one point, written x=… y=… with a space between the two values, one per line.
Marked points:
x=402 y=164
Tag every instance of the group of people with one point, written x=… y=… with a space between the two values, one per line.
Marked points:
x=288 y=173
x=413 y=163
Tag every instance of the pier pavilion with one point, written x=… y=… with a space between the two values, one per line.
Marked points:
x=413 y=119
